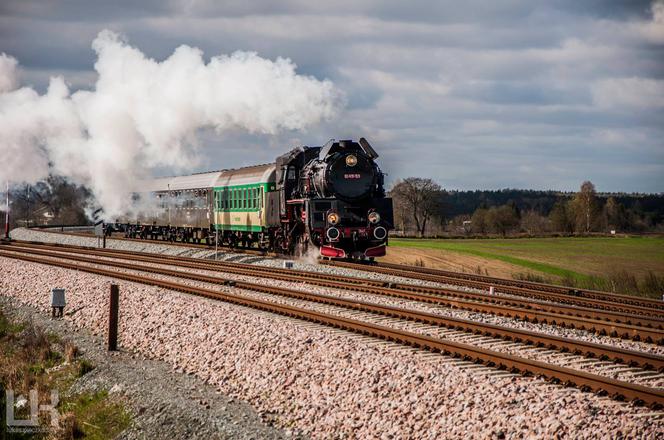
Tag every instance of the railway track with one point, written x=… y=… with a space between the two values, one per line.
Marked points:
x=115 y=236
x=512 y=287
x=564 y=344
x=528 y=289
x=492 y=358
x=649 y=329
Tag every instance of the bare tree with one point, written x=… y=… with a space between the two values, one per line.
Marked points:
x=502 y=219
x=562 y=217
x=421 y=197
x=586 y=205
x=615 y=214
x=533 y=222
x=64 y=202
x=478 y=221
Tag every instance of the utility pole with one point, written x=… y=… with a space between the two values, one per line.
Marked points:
x=7 y=213
x=29 y=213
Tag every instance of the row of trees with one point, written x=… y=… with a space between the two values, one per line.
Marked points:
x=53 y=201
x=421 y=208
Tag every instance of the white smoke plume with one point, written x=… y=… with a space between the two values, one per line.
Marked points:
x=144 y=114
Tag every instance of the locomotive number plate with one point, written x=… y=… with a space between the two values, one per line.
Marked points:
x=352 y=176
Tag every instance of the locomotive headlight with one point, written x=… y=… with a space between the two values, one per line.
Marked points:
x=380 y=233
x=374 y=217
x=351 y=160
x=333 y=234
x=333 y=218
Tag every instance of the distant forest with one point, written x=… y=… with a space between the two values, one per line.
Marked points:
x=458 y=203
x=422 y=207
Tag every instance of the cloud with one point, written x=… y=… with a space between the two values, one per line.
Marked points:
x=629 y=93
x=465 y=95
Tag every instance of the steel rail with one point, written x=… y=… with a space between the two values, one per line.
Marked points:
x=512 y=287
x=515 y=287
x=630 y=357
x=292 y=274
x=586 y=381
x=551 y=288
x=239 y=249
x=491 y=306
x=544 y=299
x=530 y=310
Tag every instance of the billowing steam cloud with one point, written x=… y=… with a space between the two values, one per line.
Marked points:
x=144 y=114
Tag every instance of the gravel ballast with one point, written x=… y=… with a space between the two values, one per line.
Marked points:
x=308 y=264
x=320 y=381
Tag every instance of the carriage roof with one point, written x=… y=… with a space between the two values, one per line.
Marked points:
x=239 y=176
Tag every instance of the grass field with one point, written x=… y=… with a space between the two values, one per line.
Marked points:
x=571 y=260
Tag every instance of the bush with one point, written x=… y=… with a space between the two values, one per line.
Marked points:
x=84 y=367
x=531 y=277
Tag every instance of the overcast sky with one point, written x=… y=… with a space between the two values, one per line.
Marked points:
x=475 y=94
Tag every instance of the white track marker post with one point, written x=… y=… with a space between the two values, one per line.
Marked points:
x=99 y=226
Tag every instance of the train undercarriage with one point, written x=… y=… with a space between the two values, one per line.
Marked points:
x=281 y=240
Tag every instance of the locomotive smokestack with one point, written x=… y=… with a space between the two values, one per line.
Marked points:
x=368 y=149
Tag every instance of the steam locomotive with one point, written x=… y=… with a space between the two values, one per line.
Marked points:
x=331 y=198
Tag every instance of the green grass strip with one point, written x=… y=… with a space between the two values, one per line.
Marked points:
x=460 y=248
